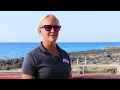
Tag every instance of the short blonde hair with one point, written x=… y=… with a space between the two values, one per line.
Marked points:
x=44 y=17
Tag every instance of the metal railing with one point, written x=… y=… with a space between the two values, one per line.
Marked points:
x=101 y=68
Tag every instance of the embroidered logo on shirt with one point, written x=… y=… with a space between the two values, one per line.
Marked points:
x=65 y=60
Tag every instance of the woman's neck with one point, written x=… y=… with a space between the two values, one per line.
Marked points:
x=51 y=47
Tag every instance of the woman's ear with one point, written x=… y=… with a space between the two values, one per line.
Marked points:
x=39 y=30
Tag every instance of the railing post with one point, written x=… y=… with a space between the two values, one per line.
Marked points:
x=84 y=66
x=77 y=64
x=83 y=69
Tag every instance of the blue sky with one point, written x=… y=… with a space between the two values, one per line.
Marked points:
x=77 y=26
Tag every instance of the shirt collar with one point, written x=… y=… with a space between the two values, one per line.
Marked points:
x=42 y=48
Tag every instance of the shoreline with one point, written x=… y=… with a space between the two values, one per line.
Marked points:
x=103 y=56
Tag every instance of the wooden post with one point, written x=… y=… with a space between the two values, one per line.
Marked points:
x=85 y=61
x=77 y=65
x=84 y=66
x=83 y=69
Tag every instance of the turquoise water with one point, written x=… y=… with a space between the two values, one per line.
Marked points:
x=20 y=49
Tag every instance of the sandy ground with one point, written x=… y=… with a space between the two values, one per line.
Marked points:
x=14 y=70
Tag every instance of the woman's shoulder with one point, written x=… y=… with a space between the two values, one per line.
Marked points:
x=34 y=51
x=64 y=52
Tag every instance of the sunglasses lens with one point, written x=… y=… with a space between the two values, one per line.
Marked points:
x=48 y=28
x=57 y=28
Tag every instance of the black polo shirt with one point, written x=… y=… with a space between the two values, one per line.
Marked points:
x=43 y=65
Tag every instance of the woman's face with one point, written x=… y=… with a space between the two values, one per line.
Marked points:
x=51 y=35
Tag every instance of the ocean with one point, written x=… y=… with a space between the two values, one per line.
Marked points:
x=20 y=49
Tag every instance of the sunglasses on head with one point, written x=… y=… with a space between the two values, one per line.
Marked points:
x=49 y=27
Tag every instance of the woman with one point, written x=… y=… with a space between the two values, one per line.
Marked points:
x=48 y=60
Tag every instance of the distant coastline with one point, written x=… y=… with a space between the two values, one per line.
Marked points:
x=104 y=56
x=20 y=49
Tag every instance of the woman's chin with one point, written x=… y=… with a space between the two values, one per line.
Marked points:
x=53 y=40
